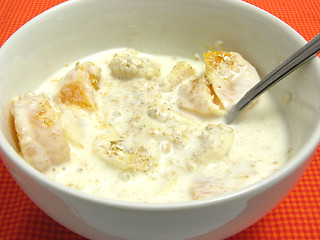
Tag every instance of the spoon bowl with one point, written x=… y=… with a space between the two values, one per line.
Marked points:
x=285 y=68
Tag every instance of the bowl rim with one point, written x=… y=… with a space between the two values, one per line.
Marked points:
x=301 y=157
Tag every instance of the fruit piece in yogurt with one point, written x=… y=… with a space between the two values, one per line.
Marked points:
x=170 y=180
x=206 y=188
x=215 y=142
x=75 y=124
x=78 y=86
x=129 y=64
x=40 y=134
x=196 y=96
x=111 y=149
x=230 y=76
x=179 y=73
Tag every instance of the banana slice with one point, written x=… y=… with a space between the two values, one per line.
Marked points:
x=112 y=150
x=180 y=72
x=40 y=134
x=196 y=96
x=75 y=125
x=78 y=86
x=129 y=64
x=230 y=75
x=170 y=180
x=216 y=141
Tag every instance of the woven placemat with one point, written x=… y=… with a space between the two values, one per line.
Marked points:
x=296 y=217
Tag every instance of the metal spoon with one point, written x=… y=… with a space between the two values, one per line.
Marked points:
x=285 y=68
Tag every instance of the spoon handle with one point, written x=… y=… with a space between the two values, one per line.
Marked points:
x=284 y=69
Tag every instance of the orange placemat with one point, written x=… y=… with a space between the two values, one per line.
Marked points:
x=296 y=217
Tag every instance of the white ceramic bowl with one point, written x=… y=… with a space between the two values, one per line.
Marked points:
x=179 y=27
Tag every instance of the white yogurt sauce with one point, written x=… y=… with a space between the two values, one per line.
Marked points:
x=141 y=115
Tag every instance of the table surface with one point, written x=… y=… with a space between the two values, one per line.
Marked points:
x=296 y=217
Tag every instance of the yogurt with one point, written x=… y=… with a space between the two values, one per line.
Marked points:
x=149 y=128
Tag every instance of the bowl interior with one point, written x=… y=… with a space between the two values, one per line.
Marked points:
x=76 y=29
